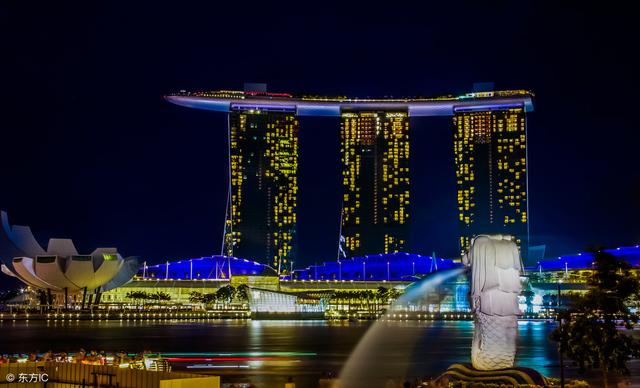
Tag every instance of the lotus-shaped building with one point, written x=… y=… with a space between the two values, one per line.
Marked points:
x=60 y=268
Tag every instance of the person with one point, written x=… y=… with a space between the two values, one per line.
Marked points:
x=121 y=358
x=80 y=356
x=32 y=357
x=48 y=356
x=92 y=358
x=290 y=383
x=137 y=362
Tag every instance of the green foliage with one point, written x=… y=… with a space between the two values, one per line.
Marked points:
x=242 y=293
x=591 y=336
x=225 y=294
x=382 y=293
x=195 y=297
x=137 y=295
x=143 y=296
x=369 y=300
x=528 y=297
x=160 y=296
x=209 y=299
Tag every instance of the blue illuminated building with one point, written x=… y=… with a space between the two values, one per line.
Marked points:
x=211 y=267
x=390 y=267
x=584 y=260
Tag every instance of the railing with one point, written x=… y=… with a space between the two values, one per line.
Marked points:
x=55 y=374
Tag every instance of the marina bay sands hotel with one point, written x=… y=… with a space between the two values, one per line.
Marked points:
x=489 y=161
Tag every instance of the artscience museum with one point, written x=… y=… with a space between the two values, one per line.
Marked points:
x=60 y=271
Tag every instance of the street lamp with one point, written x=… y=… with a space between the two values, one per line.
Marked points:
x=388 y=278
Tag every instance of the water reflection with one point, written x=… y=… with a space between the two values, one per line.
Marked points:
x=323 y=346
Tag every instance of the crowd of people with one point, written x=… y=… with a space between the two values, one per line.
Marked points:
x=91 y=357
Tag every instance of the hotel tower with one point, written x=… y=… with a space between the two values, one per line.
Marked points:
x=490 y=149
x=375 y=181
x=490 y=154
x=263 y=166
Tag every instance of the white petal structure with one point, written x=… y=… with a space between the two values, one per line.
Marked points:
x=25 y=269
x=24 y=240
x=61 y=247
x=7 y=271
x=60 y=268
x=51 y=270
x=129 y=268
x=108 y=263
x=80 y=270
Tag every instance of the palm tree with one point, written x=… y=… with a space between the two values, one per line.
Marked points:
x=528 y=296
x=383 y=296
x=242 y=293
x=137 y=296
x=162 y=296
x=209 y=299
x=590 y=335
x=225 y=294
x=195 y=297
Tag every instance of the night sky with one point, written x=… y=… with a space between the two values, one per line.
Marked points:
x=91 y=151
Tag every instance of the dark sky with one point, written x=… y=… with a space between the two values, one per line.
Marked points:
x=91 y=151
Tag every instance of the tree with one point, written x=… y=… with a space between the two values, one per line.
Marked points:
x=209 y=299
x=137 y=296
x=528 y=297
x=162 y=296
x=242 y=293
x=225 y=294
x=383 y=294
x=394 y=294
x=590 y=335
x=195 y=297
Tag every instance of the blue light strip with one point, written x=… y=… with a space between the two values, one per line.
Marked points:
x=381 y=267
x=584 y=260
x=480 y=108
x=270 y=108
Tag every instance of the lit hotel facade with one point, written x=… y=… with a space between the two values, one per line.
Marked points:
x=263 y=166
x=490 y=167
x=374 y=149
x=490 y=148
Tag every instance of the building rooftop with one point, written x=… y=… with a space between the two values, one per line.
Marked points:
x=308 y=105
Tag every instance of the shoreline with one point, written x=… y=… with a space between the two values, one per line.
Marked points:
x=240 y=315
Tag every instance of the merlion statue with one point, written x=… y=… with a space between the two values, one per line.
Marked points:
x=495 y=286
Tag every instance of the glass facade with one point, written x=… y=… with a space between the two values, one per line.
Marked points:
x=265 y=301
x=263 y=164
x=490 y=149
x=375 y=181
